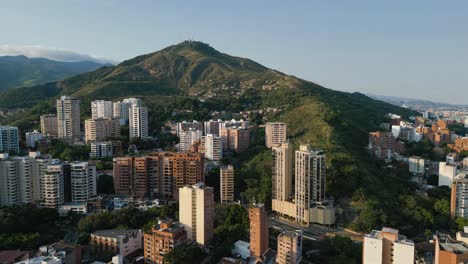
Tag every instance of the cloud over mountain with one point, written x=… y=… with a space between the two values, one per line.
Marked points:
x=35 y=51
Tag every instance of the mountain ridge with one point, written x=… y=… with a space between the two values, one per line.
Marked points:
x=19 y=71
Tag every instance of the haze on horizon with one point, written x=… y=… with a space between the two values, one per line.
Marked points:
x=399 y=48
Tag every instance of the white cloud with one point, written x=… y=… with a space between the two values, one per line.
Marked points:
x=36 y=51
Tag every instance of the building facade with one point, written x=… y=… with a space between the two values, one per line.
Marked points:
x=275 y=134
x=235 y=139
x=49 y=125
x=138 y=121
x=226 y=174
x=117 y=241
x=289 y=249
x=32 y=138
x=387 y=247
x=68 y=118
x=160 y=174
x=213 y=147
x=258 y=231
x=196 y=212
x=310 y=177
x=282 y=179
x=102 y=109
x=83 y=181
x=9 y=139
x=101 y=129
x=162 y=239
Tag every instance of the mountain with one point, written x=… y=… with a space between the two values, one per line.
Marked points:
x=418 y=104
x=18 y=71
x=197 y=80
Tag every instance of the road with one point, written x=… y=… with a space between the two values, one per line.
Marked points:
x=312 y=232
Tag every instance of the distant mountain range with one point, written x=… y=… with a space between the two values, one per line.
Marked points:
x=19 y=71
x=417 y=104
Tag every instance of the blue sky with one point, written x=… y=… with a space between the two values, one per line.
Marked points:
x=404 y=48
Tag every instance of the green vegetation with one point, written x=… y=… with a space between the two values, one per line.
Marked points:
x=185 y=254
x=336 y=250
x=25 y=227
x=231 y=224
x=123 y=218
x=19 y=71
x=61 y=150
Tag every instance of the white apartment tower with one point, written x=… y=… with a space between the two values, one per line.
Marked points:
x=188 y=138
x=83 y=181
x=125 y=108
x=68 y=118
x=53 y=186
x=213 y=147
x=310 y=181
x=282 y=180
x=102 y=109
x=138 y=121
x=9 y=139
x=275 y=134
x=459 y=197
x=196 y=209
x=32 y=138
x=226 y=174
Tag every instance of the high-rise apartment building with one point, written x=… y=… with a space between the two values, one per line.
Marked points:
x=211 y=127
x=53 y=186
x=158 y=175
x=18 y=180
x=9 y=139
x=32 y=138
x=459 y=197
x=282 y=178
x=184 y=125
x=117 y=111
x=258 y=230
x=447 y=173
x=101 y=129
x=68 y=118
x=289 y=250
x=105 y=149
x=125 y=107
x=213 y=147
x=310 y=181
x=83 y=181
x=102 y=109
x=226 y=182
x=196 y=212
x=235 y=139
x=387 y=247
x=275 y=134
x=188 y=138
x=49 y=125
x=138 y=121
x=162 y=239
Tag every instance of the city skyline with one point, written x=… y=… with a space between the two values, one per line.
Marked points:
x=415 y=49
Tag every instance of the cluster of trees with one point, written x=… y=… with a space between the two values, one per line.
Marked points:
x=61 y=150
x=27 y=226
x=231 y=225
x=124 y=218
x=335 y=250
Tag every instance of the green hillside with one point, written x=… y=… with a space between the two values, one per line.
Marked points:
x=196 y=79
x=19 y=71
